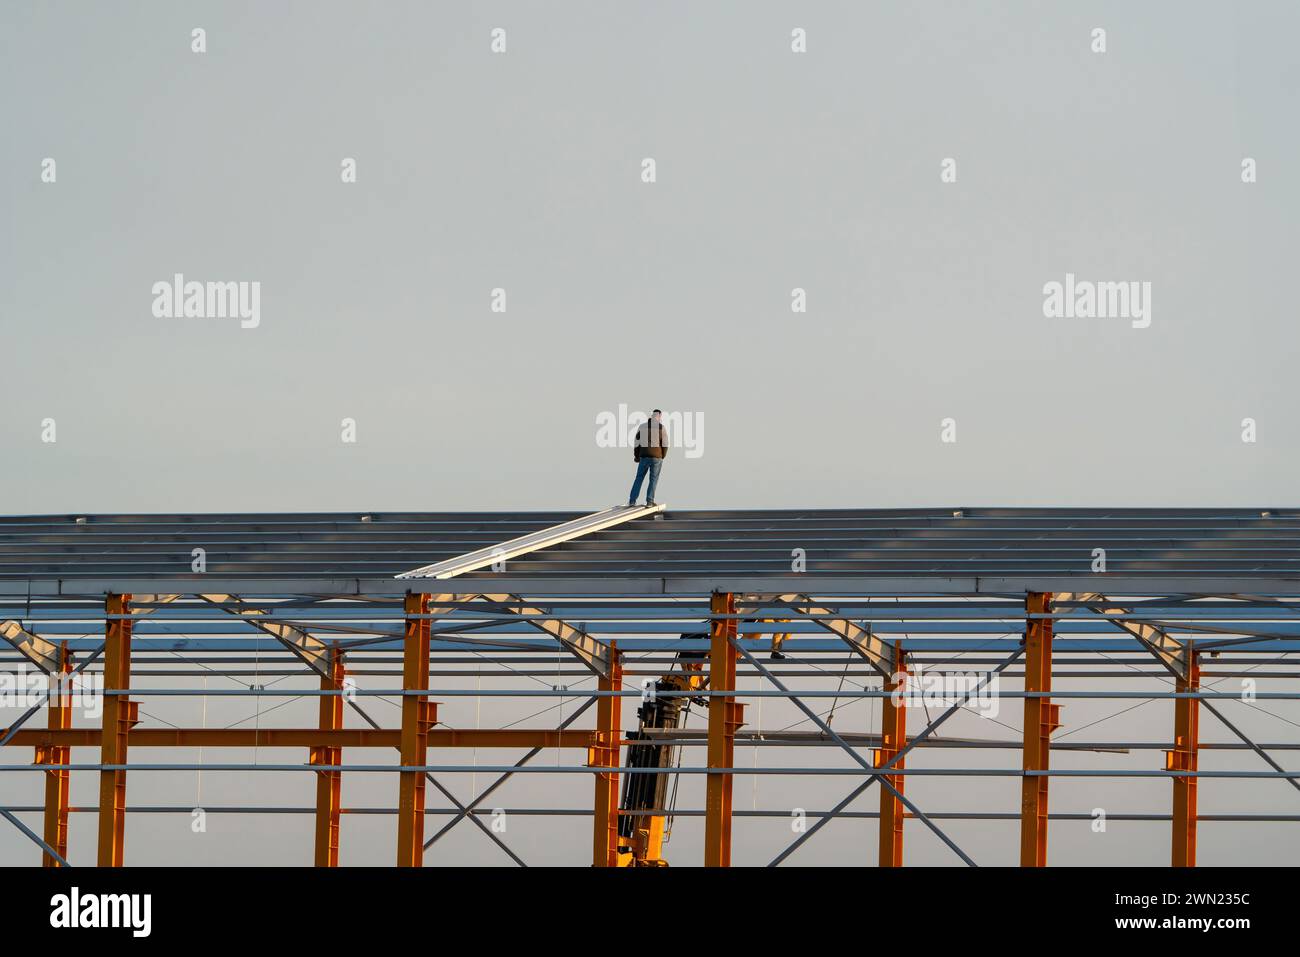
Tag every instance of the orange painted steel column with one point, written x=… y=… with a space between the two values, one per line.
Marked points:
x=417 y=718
x=56 y=782
x=604 y=753
x=119 y=716
x=1041 y=719
x=725 y=716
x=329 y=784
x=1187 y=722
x=893 y=738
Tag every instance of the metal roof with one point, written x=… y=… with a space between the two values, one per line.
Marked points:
x=848 y=551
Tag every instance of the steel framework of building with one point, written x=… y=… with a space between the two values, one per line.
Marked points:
x=1024 y=595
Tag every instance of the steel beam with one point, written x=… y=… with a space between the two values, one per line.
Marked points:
x=33 y=836
x=879 y=654
x=12 y=732
x=592 y=652
x=725 y=716
x=844 y=745
x=1184 y=757
x=44 y=654
x=893 y=733
x=464 y=811
x=1041 y=719
x=56 y=782
x=309 y=737
x=54 y=660
x=604 y=753
x=442 y=789
x=1181 y=660
x=329 y=783
x=120 y=714
x=651 y=584
x=1171 y=652
x=418 y=716
x=316 y=655
x=1268 y=759
x=311 y=650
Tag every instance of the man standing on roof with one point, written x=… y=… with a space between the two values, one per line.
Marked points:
x=648 y=452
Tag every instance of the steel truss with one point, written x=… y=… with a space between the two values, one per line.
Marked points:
x=346 y=649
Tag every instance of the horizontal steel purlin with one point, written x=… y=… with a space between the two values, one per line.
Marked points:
x=306 y=738
x=1241 y=626
x=261 y=589
x=677 y=812
x=569 y=693
x=588 y=769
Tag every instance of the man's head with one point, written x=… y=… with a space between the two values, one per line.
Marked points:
x=656 y=414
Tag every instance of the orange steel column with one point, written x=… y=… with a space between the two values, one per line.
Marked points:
x=1183 y=757
x=1041 y=719
x=725 y=717
x=416 y=721
x=893 y=738
x=56 y=782
x=119 y=715
x=329 y=784
x=604 y=754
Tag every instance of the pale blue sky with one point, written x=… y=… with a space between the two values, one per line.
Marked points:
x=521 y=171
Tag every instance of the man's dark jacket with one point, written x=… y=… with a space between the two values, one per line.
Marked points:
x=651 y=441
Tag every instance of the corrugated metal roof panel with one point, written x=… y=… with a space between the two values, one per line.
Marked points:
x=837 y=543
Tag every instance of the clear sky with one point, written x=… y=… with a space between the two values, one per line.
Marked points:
x=523 y=171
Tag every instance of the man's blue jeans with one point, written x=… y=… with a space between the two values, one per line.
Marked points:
x=647 y=466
